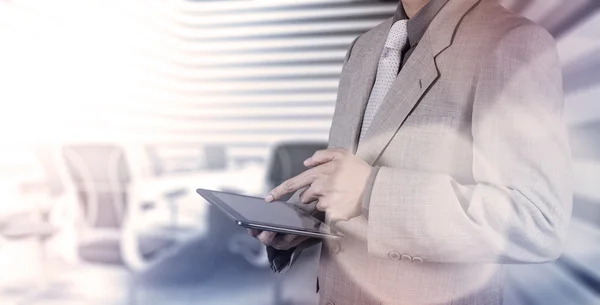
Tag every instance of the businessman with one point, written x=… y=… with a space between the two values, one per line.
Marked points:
x=447 y=158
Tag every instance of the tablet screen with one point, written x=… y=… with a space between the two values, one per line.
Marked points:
x=276 y=213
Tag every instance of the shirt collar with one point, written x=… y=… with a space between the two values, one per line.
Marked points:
x=418 y=24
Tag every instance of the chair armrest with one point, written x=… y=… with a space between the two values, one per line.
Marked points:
x=175 y=193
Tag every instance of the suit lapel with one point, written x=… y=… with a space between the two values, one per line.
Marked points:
x=413 y=81
x=350 y=108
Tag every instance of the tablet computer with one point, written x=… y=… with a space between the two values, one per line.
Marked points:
x=278 y=216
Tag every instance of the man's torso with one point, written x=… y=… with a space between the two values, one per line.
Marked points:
x=428 y=128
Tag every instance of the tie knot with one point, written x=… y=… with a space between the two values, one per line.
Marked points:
x=398 y=35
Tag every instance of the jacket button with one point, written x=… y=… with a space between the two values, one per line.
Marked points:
x=395 y=256
x=417 y=260
x=406 y=258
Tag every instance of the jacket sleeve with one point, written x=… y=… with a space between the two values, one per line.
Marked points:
x=281 y=260
x=517 y=208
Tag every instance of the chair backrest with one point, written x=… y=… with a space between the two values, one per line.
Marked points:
x=100 y=174
x=216 y=157
x=54 y=178
x=287 y=161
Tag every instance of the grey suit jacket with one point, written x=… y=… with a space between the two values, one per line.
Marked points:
x=474 y=162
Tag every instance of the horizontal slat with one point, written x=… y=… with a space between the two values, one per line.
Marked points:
x=549 y=285
x=195 y=7
x=148 y=136
x=253 y=59
x=286 y=16
x=587 y=178
x=158 y=21
x=240 y=152
x=248 y=87
x=583 y=136
x=175 y=99
x=199 y=114
x=217 y=74
x=582 y=252
x=264 y=31
x=586 y=209
x=236 y=127
x=293 y=44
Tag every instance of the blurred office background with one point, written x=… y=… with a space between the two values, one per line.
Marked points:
x=113 y=112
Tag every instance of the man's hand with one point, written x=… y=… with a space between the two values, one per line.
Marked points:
x=337 y=180
x=277 y=241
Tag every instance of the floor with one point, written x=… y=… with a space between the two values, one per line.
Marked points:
x=233 y=282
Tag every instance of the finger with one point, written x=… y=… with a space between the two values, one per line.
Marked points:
x=324 y=156
x=334 y=216
x=266 y=237
x=312 y=193
x=322 y=205
x=254 y=232
x=287 y=241
x=289 y=238
x=293 y=184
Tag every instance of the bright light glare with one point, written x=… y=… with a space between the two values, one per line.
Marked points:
x=60 y=66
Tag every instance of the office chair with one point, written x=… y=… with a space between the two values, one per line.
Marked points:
x=37 y=224
x=100 y=178
x=285 y=162
x=34 y=225
x=203 y=244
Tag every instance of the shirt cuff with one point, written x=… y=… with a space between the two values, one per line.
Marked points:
x=280 y=259
x=366 y=200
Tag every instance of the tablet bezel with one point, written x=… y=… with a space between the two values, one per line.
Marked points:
x=244 y=222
